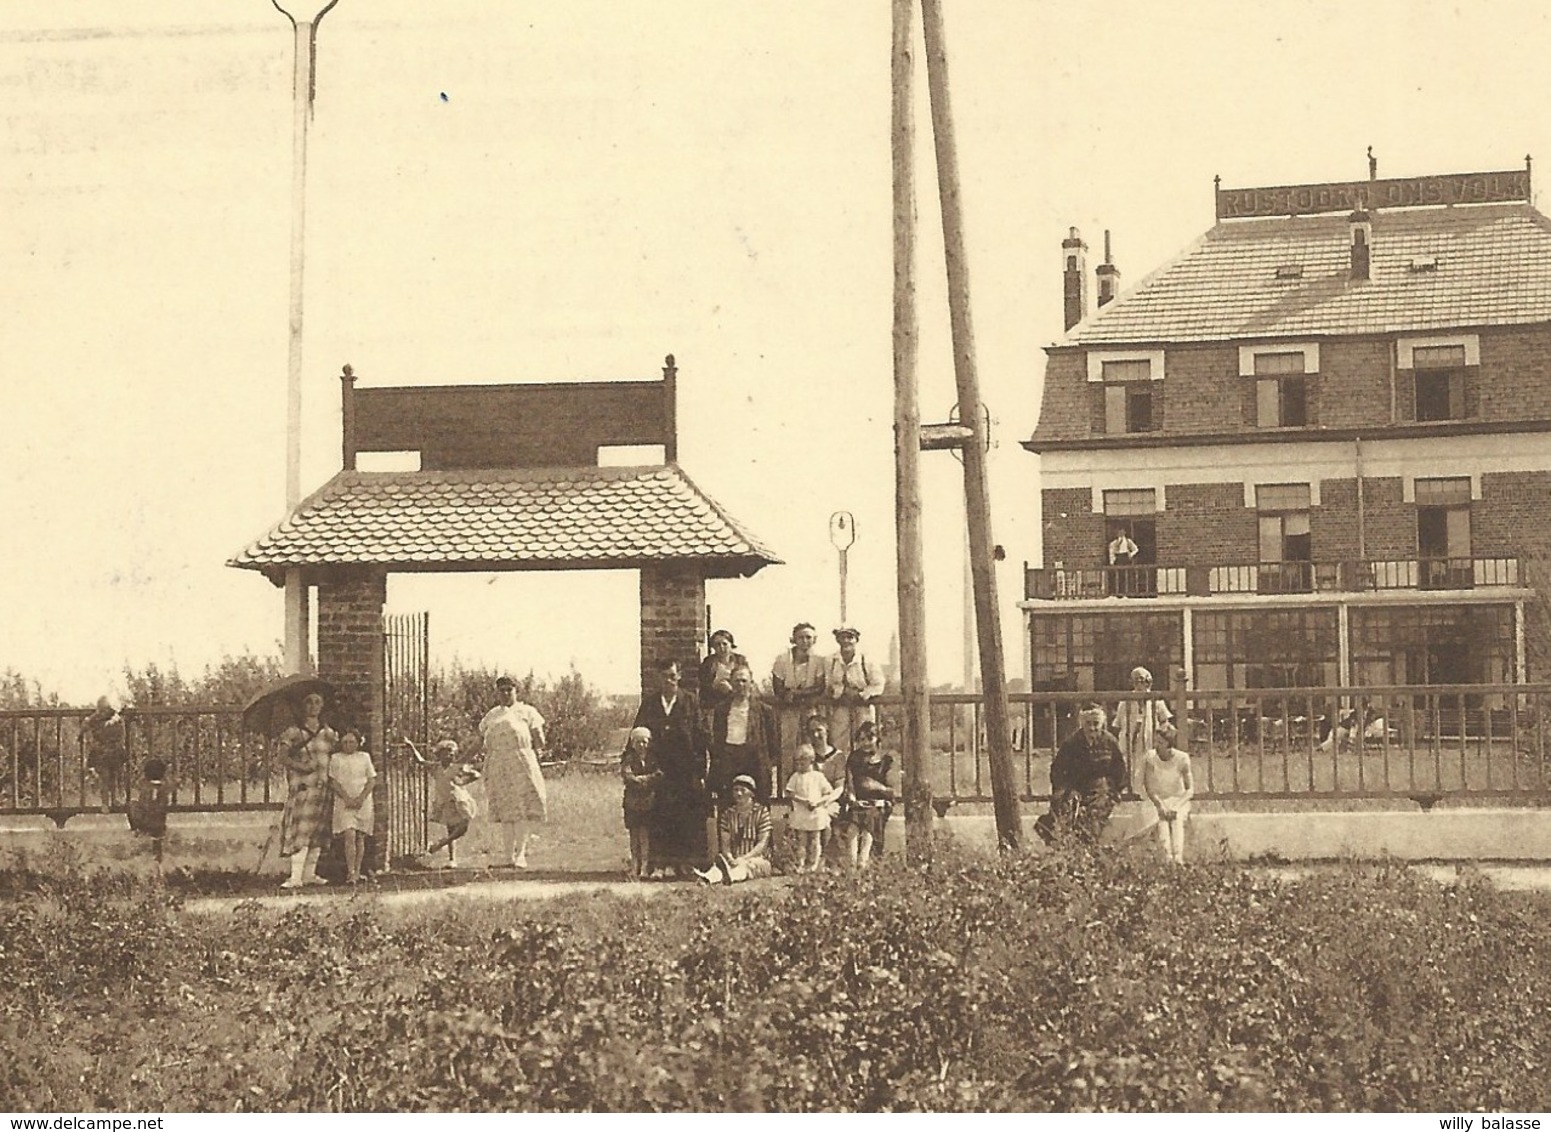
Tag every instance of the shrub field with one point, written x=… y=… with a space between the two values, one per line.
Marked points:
x=1043 y=982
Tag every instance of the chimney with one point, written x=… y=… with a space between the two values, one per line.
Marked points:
x=1074 y=278
x=670 y=410
x=347 y=417
x=1362 y=238
x=1109 y=275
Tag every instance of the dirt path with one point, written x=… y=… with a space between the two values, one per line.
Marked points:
x=476 y=886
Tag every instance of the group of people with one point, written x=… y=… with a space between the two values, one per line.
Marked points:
x=698 y=768
x=1095 y=768
x=330 y=779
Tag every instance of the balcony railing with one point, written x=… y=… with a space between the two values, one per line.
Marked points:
x=1348 y=576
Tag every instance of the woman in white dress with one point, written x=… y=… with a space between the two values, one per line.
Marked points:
x=1167 y=783
x=1135 y=722
x=513 y=732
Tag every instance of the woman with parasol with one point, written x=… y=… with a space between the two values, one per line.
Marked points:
x=304 y=750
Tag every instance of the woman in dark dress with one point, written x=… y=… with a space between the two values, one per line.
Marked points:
x=716 y=673
x=678 y=833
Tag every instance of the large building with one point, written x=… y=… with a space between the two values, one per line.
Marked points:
x=1311 y=451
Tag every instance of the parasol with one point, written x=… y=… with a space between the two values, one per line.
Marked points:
x=279 y=705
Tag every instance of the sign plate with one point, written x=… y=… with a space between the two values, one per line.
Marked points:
x=1397 y=192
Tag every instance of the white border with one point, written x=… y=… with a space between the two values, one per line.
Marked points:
x=1097 y=358
x=1407 y=346
x=1309 y=350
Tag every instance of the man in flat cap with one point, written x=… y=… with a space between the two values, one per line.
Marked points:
x=854 y=682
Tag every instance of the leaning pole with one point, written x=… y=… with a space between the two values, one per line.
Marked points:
x=907 y=452
x=977 y=497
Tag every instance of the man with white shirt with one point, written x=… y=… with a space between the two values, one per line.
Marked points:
x=799 y=680
x=854 y=682
x=678 y=820
x=743 y=741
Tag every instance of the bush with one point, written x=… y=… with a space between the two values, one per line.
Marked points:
x=577 y=716
x=1046 y=983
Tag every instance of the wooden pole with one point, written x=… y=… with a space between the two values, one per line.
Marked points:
x=993 y=676
x=907 y=452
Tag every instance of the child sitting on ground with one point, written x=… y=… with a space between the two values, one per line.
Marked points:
x=351 y=775
x=812 y=796
x=451 y=804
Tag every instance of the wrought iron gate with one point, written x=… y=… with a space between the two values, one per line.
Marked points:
x=407 y=720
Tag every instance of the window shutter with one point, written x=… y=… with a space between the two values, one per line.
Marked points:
x=1405 y=395
x=1311 y=401
x=1157 y=406
x=1471 y=406
x=1096 y=409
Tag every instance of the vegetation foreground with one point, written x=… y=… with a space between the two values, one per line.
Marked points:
x=1050 y=982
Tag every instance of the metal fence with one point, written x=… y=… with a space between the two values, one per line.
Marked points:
x=214 y=764
x=1424 y=743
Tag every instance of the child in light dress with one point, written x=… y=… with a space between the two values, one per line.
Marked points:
x=812 y=799
x=1168 y=785
x=351 y=776
x=451 y=804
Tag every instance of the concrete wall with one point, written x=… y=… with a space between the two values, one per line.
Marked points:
x=1437 y=835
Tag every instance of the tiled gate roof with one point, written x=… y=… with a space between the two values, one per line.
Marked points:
x=510 y=519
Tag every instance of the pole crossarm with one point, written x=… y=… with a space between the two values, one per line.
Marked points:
x=950 y=435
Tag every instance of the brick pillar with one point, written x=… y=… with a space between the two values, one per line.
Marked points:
x=350 y=656
x=672 y=621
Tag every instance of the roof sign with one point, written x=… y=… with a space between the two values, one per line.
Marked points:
x=1398 y=192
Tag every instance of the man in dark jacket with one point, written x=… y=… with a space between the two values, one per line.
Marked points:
x=678 y=818
x=1087 y=777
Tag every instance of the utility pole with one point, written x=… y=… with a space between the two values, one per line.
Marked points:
x=993 y=677
x=298 y=656
x=907 y=451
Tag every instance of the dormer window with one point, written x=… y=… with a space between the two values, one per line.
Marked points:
x=1289 y=271
x=1423 y=263
x=1284 y=378
x=1128 y=391
x=1438 y=377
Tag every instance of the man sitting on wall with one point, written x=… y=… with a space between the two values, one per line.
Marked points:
x=1087 y=777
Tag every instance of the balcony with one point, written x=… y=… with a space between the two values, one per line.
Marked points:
x=1349 y=576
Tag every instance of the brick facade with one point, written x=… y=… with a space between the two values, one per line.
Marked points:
x=1207 y=524
x=1073 y=534
x=1202 y=392
x=350 y=656
x=672 y=622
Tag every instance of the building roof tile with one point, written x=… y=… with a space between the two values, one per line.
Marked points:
x=510 y=519
x=1431 y=269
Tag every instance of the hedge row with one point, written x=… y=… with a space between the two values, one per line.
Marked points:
x=1055 y=983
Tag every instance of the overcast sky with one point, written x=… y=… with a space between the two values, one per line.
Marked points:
x=602 y=184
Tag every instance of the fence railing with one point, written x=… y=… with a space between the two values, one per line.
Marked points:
x=1270 y=578
x=1400 y=741
x=45 y=755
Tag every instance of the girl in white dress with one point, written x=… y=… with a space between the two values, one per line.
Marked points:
x=1167 y=784
x=351 y=775
x=811 y=795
